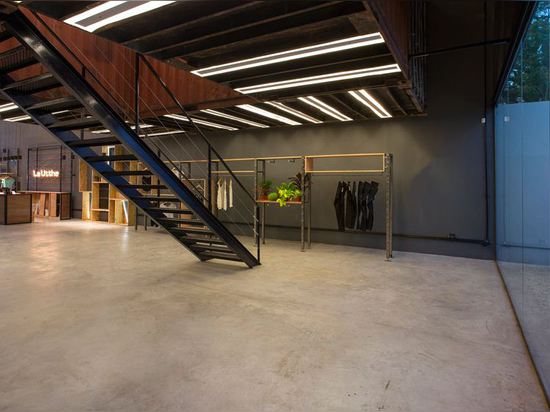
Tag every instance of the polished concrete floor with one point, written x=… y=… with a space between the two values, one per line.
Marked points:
x=100 y=318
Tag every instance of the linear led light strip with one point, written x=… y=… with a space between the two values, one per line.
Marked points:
x=364 y=97
x=268 y=114
x=18 y=118
x=162 y=133
x=231 y=117
x=100 y=21
x=293 y=54
x=323 y=78
x=199 y=121
x=295 y=112
x=7 y=107
x=141 y=126
x=325 y=108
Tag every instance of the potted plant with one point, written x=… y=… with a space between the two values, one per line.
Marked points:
x=264 y=189
x=272 y=197
x=287 y=191
x=297 y=181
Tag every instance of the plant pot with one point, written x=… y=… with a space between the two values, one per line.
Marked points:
x=263 y=196
x=297 y=199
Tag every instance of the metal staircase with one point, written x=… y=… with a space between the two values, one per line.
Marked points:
x=194 y=226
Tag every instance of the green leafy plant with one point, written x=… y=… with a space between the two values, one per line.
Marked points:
x=272 y=197
x=264 y=188
x=287 y=191
x=297 y=180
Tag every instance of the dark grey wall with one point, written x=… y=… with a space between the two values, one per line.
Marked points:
x=23 y=136
x=438 y=163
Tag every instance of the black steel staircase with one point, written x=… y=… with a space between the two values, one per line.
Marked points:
x=193 y=225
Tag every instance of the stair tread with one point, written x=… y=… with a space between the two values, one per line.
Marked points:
x=169 y=210
x=75 y=124
x=15 y=59
x=100 y=141
x=214 y=248
x=218 y=255
x=5 y=35
x=35 y=84
x=128 y=173
x=191 y=230
x=111 y=158
x=158 y=198
x=178 y=220
x=143 y=187
x=187 y=239
x=56 y=104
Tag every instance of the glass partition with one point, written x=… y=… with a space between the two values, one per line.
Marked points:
x=523 y=188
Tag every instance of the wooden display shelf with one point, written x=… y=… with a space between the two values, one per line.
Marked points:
x=289 y=202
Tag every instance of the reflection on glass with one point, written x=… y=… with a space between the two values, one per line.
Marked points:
x=522 y=124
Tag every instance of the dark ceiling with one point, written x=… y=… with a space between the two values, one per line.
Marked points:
x=201 y=33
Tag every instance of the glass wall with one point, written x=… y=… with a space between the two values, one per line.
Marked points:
x=523 y=188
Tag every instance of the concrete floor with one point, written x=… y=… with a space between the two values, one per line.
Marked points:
x=95 y=317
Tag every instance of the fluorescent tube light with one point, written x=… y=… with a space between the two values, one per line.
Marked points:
x=268 y=114
x=293 y=54
x=141 y=126
x=199 y=121
x=366 y=98
x=323 y=78
x=100 y=15
x=7 y=107
x=235 y=118
x=18 y=118
x=162 y=133
x=325 y=108
x=295 y=112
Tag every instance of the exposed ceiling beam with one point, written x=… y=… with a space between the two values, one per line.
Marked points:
x=322 y=11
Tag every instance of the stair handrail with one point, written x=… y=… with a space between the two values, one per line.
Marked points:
x=85 y=70
x=190 y=119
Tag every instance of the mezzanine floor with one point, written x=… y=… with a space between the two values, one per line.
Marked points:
x=101 y=318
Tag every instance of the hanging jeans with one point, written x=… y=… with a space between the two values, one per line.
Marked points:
x=364 y=209
x=339 y=206
x=351 y=206
x=370 y=206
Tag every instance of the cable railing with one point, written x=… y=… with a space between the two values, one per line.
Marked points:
x=153 y=110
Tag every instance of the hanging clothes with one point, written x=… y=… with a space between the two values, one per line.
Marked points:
x=219 y=197
x=364 y=210
x=230 y=189
x=351 y=206
x=358 y=205
x=370 y=204
x=339 y=206
x=224 y=194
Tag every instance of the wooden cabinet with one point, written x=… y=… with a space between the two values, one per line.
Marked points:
x=15 y=209
x=51 y=204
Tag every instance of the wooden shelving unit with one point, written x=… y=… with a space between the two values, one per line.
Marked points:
x=102 y=202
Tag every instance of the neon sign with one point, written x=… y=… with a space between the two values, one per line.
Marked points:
x=43 y=173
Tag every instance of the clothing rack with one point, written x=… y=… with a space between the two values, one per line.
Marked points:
x=384 y=168
x=311 y=166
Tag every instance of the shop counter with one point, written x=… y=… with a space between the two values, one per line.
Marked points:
x=15 y=208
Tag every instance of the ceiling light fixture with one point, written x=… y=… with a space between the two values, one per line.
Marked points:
x=268 y=114
x=365 y=97
x=323 y=78
x=325 y=108
x=111 y=12
x=294 y=112
x=18 y=118
x=294 y=54
x=162 y=133
x=141 y=126
x=199 y=121
x=231 y=117
x=7 y=107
